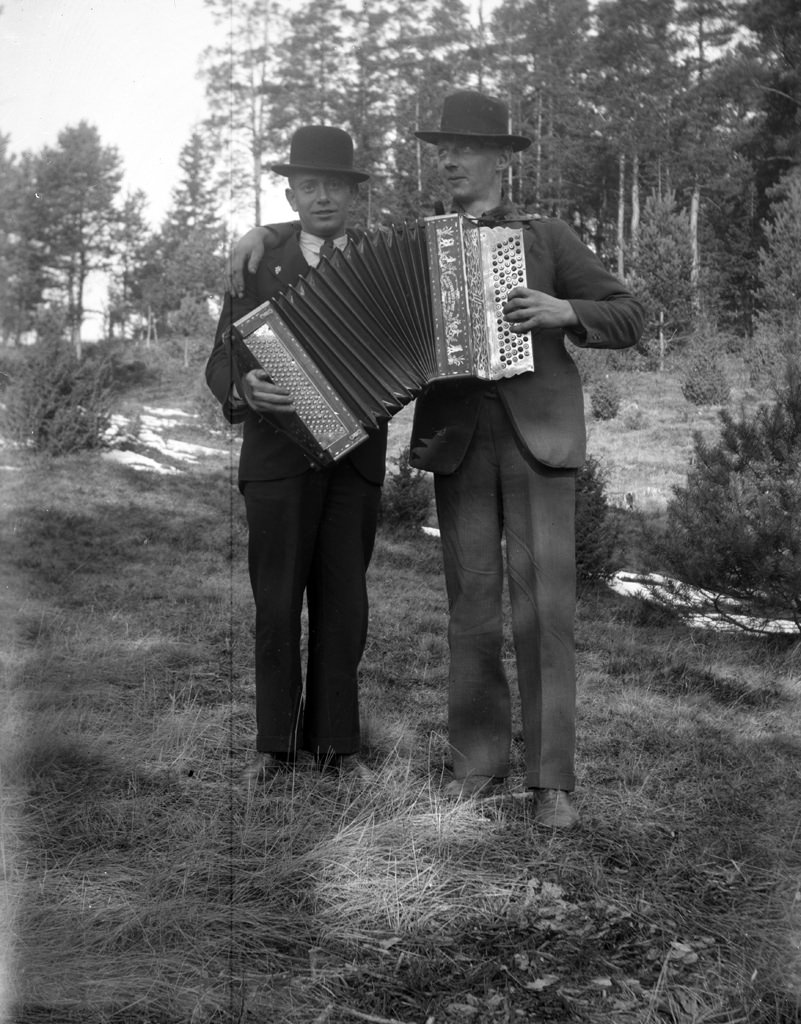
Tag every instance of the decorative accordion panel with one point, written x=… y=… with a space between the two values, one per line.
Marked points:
x=359 y=336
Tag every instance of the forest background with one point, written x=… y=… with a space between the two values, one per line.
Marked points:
x=665 y=131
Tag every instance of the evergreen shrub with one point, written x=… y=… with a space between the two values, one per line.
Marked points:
x=778 y=333
x=10 y=359
x=704 y=380
x=407 y=496
x=596 y=530
x=633 y=417
x=736 y=525
x=605 y=399
x=56 y=403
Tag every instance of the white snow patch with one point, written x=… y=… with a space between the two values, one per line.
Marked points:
x=662 y=590
x=138 y=461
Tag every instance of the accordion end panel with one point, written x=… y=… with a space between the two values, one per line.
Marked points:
x=449 y=299
x=495 y=265
x=322 y=424
x=473 y=269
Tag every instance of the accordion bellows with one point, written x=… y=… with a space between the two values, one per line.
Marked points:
x=360 y=336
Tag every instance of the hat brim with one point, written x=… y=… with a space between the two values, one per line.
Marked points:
x=339 y=172
x=514 y=142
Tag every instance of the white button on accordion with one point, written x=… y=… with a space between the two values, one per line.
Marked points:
x=359 y=337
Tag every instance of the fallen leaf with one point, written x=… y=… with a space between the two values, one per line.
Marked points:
x=540 y=983
x=460 y=1008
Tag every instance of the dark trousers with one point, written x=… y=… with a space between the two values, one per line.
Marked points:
x=500 y=489
x=310 y=534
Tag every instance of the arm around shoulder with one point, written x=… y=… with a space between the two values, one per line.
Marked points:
x=247 y=252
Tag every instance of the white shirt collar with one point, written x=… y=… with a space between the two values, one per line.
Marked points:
x=310 y=246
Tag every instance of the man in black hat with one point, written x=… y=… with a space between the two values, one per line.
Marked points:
x=504 y=457
x=311 y=531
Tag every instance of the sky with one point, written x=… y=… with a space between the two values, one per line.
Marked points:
x=129 y=67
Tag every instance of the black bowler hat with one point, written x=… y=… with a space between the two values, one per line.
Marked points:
x=472 y=115
x=322 y=150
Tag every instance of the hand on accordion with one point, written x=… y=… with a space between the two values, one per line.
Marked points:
x=527 y=310
x=263 y=396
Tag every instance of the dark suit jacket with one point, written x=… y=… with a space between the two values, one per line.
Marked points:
x=546 y=407
x=266 y=453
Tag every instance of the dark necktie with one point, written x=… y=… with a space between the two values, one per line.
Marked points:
x=327 y=248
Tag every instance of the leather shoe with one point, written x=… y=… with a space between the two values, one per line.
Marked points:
x=554 y=809
x=474 y=787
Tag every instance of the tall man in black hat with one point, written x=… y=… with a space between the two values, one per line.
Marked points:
x=310 y=530
x=504 y=457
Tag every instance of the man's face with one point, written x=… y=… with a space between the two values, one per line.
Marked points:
x=322 y=202
x=470 y=168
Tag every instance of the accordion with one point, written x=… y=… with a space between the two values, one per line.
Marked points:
x=360 y=335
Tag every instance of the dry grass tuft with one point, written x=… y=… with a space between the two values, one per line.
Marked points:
x=145 y=883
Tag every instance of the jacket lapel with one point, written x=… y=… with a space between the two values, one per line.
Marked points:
x=288 y=263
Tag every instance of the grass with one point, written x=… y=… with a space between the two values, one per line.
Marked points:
x=144 y=883
x=647 y=448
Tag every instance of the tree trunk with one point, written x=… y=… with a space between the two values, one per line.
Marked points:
x=149 y=326
x=695 y=266
x=635 y=204
x=76 y=312
x=509 y=170
x=621 y=214
x=418 y=153
x=538 y=154
x=76 y=340
x=257 y=186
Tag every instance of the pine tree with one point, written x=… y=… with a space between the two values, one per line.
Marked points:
x=660 y=275
x=539 y=48
x=195 y=198
x=428 y=56
x=634 y=81
x=736 y=526
x=776 y=146
x=314 y=67
x=181 y=265
x=131 y=245
x=74 y=219
x=21 y=283
x=241 y=94
x=706 y=29
x=778 y=337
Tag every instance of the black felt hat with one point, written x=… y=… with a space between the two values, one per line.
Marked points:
x=323 y=150
x=472 y=115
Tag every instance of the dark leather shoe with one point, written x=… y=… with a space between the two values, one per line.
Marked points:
x=474 y=787
x=553 y=809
